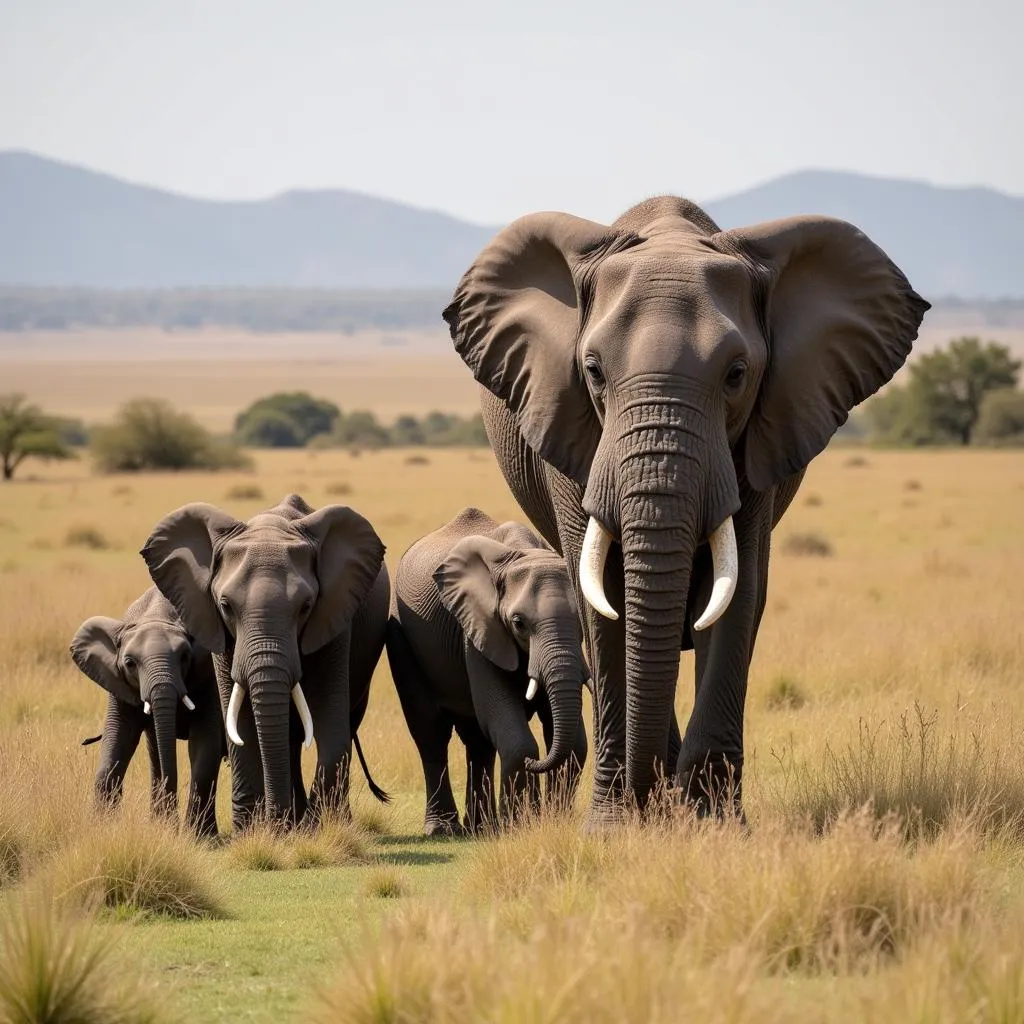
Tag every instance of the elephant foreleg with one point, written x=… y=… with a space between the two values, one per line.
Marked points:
x=327 y=693
x=122 y=730
x=205 y=751
x=481 y=806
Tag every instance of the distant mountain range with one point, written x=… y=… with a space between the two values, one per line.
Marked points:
x=64 y=226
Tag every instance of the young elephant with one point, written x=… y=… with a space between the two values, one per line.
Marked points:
x=484 y=633
x=160 y=682
x=293 y=604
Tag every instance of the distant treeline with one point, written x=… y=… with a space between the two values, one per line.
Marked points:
x=283 y=309
x=257 y=309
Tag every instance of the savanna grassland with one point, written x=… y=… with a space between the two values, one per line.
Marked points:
x=881 y=878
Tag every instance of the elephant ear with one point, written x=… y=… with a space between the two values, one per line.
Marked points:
x=180 y=554
x=94 y=650
x=349 y=555
x=467 y=581
x=515 y=318
x=841 y=320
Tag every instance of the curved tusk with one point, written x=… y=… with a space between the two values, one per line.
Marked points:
x=187 y=701
x=146 y=709
x=596 y=543
x=726 y=562
x=231 y=721
x=307 y=719
x=531 y=690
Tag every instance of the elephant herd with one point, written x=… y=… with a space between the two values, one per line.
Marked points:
x=653 y=391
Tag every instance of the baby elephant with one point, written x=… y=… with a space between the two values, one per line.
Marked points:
x=160 y=682
x=484 y=632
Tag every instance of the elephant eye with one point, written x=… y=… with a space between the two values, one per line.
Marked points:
x=225 y=605
x=307 y=606
x=518 y=623
x=736 y=376
x=129 y=662
x=594 y=371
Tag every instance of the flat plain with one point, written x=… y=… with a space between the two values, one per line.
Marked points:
x=880 y=877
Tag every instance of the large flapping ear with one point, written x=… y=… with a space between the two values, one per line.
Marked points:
x=515 y=318
x=349 y=555
x=180 y=555
x=94 y=650
x=467 y=581
x=841 y=318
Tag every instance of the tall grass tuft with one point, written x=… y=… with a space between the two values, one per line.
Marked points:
x=55 y=967
x=149 y=868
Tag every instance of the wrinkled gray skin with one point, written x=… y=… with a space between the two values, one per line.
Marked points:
x=478 y=609
x=662 y=375
x=147 y=656
x=292 y=595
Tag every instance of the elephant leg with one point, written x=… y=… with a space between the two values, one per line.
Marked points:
x=481 y=805
x=205 y=751
x=710 y=763
x=430 y=726
x=122 y=730
x=327 y=673
x=606 y=655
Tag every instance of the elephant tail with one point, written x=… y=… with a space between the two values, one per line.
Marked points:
x=379 y=793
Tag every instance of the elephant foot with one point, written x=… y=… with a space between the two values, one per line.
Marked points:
x=443 y=828
x=712 y=788
x=604 y=816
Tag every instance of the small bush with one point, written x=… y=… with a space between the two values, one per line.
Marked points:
x=258 y=849
x=84 y=536
x=1000 y=419
x=912 y=485
x=375 y=819
x=147 y=869
x=856 y=462
x=333 y=842
x=784 y=693
x=57 y=968
x=813 y=501
x=806 y=545
x=148 y=433
x=244 y=492
x=417 y=460
x=385 y=882
x=339 y=489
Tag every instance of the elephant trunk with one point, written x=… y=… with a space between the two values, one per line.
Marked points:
x=676 y=486
x=270 y=692
x=163 y=702
x=562 y=673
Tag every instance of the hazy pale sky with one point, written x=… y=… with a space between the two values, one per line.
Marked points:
x=490 y=110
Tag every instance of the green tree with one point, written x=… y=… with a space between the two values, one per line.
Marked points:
x=407 y=431
x=263 y=423
x=947 y=386
x=148 y=433
x=1001 y=420
x=360 y=427
x=27 y=432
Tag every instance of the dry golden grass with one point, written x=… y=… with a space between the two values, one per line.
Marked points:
x=887 y=674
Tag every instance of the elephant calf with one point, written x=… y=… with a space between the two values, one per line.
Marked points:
x=484 y=633
x=160 y=682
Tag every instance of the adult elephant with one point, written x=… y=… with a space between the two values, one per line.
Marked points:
x=160 y=683
x=653 y=390
x=294 y=605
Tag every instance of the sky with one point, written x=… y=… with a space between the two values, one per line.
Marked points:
x=489 y=110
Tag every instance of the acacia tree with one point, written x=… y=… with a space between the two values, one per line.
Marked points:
x=27 y=432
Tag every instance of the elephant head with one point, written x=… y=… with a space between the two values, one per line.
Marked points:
x=143 y=664
x=666 y=366
x=516 y=602
x=263 y=593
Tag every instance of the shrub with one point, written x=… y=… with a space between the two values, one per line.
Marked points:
x=339 y=489
x=808 y=545
x=259 y=848
x=84 y=536
x=56 y=967
x=361 y=428
x=148 y=433
x=1000 y=419
x=244 y=492
x=27 y=432
x=288 y=419
x=784 y=692
x=385 y=882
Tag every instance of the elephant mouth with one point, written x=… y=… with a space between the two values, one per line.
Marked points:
x=235 y=706
x=597 y=542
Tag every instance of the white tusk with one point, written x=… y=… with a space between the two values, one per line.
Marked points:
x=231 y=722
x=187 y=701
x=726 y=563
x=531 y=690
x=146 y=709
x=307 y=719
x=596 y=543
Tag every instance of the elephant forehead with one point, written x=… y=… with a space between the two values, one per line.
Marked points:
x=542 y=580
x=267 y=549
x=156 y=637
